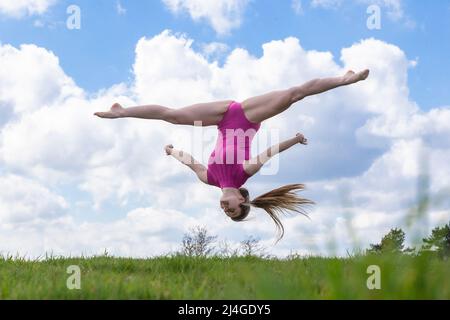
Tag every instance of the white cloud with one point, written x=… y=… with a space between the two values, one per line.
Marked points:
x=222 y=15
x=39 y=23
x=297 y=6
x=25 y=201
x=158 y=70
x=393 y=8
x=327 y=4
x=214 y=49
x=120 y=8
x=142 y=233
x=20 y=8
x=31 y=78
x=364 y=139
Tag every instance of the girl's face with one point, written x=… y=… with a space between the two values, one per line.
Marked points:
x=231 y=205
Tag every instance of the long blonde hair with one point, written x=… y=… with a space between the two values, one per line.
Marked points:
x=282 y=200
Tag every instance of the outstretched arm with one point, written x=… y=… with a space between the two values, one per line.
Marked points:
x=188 y=160
x=255 y=164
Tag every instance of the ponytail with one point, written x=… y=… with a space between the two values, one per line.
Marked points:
x=279 y=201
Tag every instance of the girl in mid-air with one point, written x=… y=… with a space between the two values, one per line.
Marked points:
x=230 y=164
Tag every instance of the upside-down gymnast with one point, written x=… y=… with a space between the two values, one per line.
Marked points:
x=230 y=164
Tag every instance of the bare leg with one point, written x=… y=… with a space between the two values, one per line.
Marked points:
x=205 y=114
x=260 y=108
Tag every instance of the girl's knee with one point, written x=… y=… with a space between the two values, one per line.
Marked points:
x=295 y=94
x=179 y=116
x=173 y=116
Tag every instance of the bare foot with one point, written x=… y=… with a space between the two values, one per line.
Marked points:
x=351 y=77
x=168 y=149
x=115 y=112
x=301 y=139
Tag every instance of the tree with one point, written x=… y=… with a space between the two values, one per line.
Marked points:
x=438 y=241
x=225 y=250
x=393 y=242
x=250 y=246
x=198 y=242
x=375 y=248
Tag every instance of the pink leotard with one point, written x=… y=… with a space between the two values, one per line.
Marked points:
x=235 y=135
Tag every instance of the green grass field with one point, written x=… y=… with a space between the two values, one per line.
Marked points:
x=180 y=277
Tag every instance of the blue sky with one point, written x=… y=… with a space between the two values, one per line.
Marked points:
x=74 y=183
x=102 y=52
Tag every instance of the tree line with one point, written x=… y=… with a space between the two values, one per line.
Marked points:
x=199 y=243
x=438 y=242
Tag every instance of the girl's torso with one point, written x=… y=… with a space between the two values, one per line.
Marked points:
x=233 y=147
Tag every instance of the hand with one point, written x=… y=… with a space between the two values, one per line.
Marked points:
x=168 y=149
x=301 y=139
